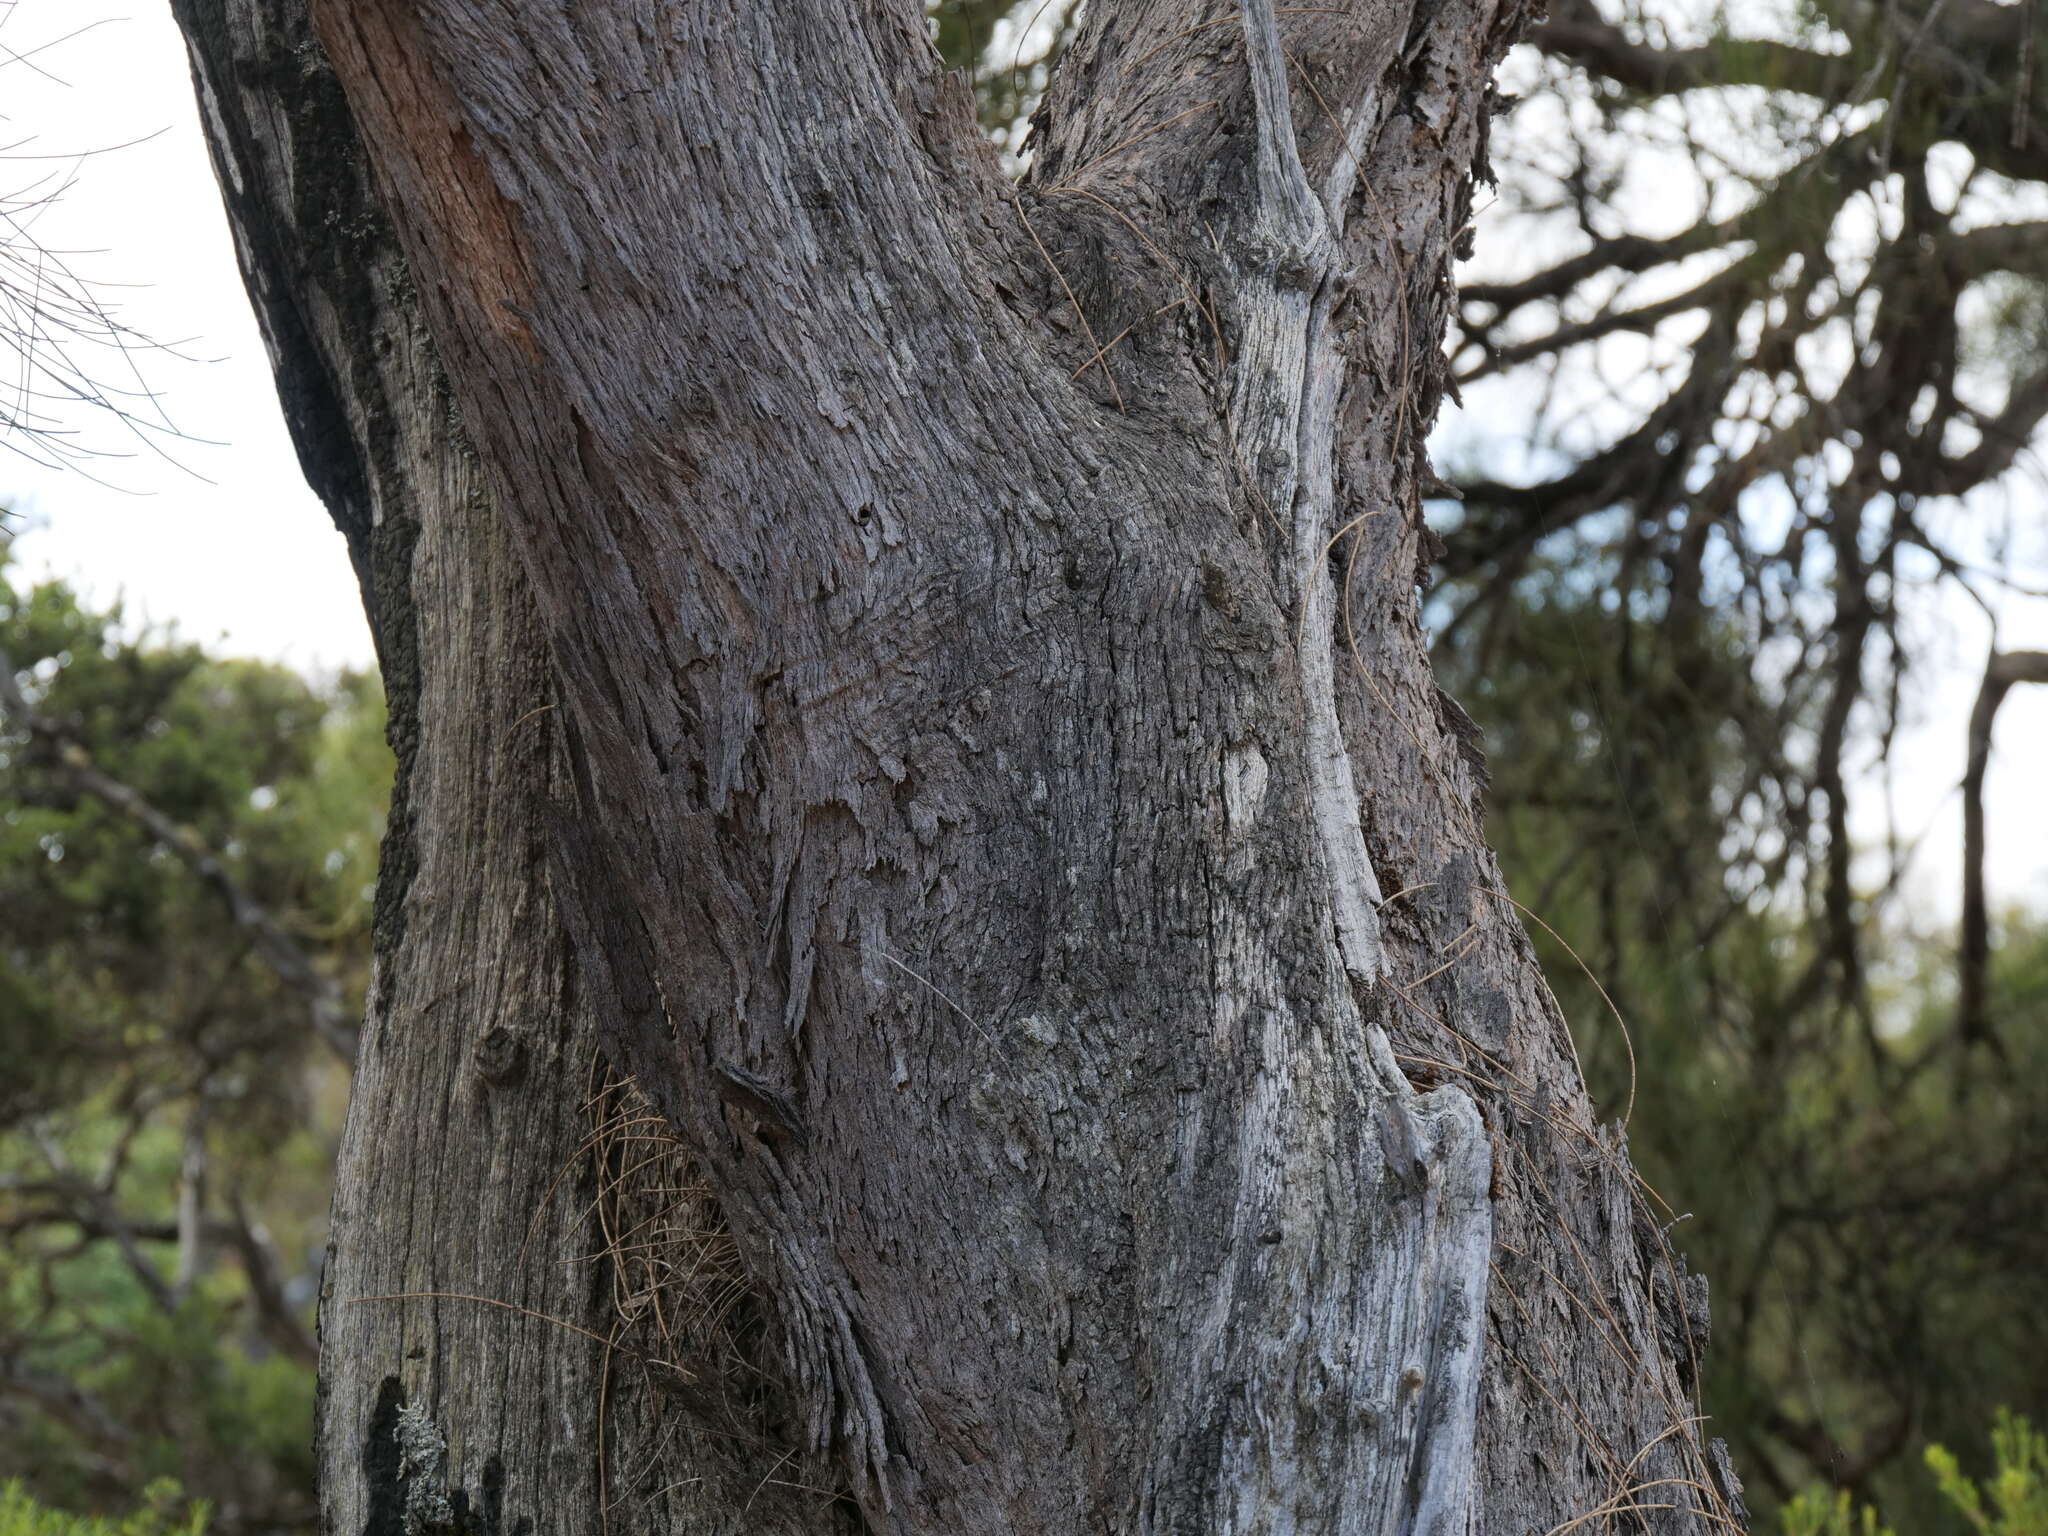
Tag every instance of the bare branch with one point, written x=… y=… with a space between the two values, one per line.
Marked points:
x=1625 y=253
x=280 y=1320
x=2000 y=673
x=1642 y=318
x=77 y=1410
x=2004 y=437
x=109 y=1220
x=1579 y=35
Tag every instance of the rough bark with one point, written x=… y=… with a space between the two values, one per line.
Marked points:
x=924 y=674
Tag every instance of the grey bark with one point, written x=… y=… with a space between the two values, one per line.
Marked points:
x=984 y=786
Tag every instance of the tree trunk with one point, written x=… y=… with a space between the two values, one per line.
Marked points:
x=923 y=673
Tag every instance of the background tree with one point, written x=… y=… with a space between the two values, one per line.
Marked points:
x=1854 y=1197
x=1774 y=413
x=1830 y=316
x=170 y=1106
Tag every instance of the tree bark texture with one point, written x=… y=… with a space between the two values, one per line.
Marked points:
x=922 y=673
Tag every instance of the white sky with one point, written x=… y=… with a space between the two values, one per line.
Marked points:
x=245 y=557
x=249 y=559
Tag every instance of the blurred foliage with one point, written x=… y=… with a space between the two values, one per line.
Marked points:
x=1006 y=48
x=158 y=1514
x=168 y=1120
x=2012 y=1501
x=1854 y=1179
x=1821 y=1513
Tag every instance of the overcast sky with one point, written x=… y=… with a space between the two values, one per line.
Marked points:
x=224 y=539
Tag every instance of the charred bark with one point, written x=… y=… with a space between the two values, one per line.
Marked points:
x=923 y=673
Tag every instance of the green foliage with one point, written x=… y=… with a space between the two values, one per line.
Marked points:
x=1855 y=1183
x=167 y=1120
x=281 y=777
x=156 y=1515
x=1815 y=1513
x=1006 y=49
x=2014 y=1502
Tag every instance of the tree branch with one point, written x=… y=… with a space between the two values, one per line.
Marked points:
x=1624 y=253
x=110 y=1222
x=279 y=1318
x=1583 y=39
x=1955 y=57
x=1642 y=318
x=280 y=951
x=2004 y=436
x=2000 y=673
x=69 y=1405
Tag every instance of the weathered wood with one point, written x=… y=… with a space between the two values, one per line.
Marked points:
x=985 y=786
x=463 y=1182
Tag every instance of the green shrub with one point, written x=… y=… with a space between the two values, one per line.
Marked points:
x=2012 y=1502
x=157 y=1515
x=2015 y=1500
x=1814 y=1513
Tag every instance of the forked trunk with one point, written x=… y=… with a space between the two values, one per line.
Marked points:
x=922 y=674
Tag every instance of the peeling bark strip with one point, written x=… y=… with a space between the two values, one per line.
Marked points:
x=958 y=788
x=1283 y=407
